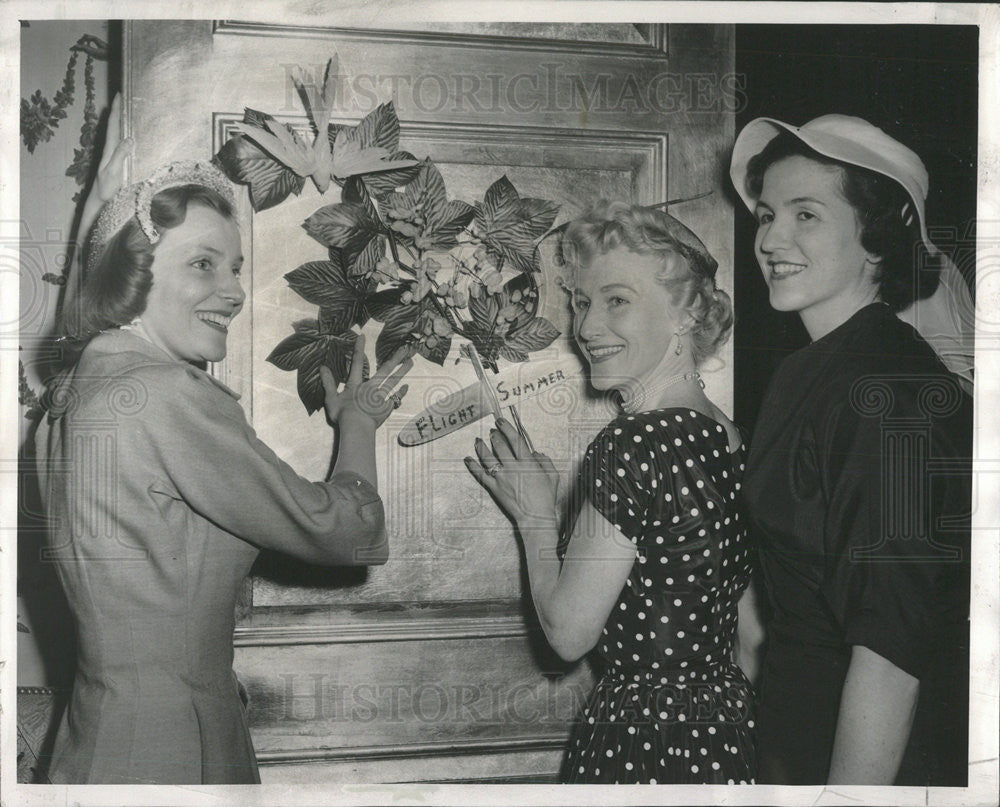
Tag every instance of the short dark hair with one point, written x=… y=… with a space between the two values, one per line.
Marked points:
x=907 y=270
x=116 y=288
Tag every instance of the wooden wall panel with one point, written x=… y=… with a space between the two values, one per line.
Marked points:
x=325 y=700
x=568 y=113
x=617 y=39
x=510 y=766
x=442 y=523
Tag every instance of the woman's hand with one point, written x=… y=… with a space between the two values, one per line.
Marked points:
x=371 y=401
x=574 y=597
x=111 y=171
x=109 y=178
x=111 y=168
x=525 y=483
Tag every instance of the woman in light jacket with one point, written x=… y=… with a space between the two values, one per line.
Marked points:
x=159 y=495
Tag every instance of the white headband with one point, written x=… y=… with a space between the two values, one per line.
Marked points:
x=135 y=201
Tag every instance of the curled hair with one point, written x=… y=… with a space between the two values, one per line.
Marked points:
x=116 y=289
x=890 y=227
x=648 y=231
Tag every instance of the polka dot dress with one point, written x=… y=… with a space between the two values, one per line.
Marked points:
x=671 y=706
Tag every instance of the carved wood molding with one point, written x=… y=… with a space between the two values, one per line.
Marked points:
x=644 y=154
x=398 y=630
x=656 y=45
x=414 y=750
x=550 y=778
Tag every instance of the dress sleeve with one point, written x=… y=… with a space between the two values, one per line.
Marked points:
x=211 y=458
x=613 y=477
x=882 y=580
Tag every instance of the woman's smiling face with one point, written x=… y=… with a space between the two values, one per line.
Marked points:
x=623 y=318
x=196 y=287
x=808 y=244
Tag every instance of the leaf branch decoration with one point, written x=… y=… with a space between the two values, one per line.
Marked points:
x=399 y=251
x=320 y=161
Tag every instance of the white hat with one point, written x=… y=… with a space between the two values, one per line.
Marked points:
x=839 y=137
x=946 y=319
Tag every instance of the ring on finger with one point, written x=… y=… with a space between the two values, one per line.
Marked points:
x=396 y=400
x=493 y=470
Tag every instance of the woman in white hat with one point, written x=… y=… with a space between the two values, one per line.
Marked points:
x=861 y=448
x=159 y=496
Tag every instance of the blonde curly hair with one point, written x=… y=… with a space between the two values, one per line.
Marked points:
x=646 y=231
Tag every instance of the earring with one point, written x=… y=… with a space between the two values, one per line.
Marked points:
x=680 y=344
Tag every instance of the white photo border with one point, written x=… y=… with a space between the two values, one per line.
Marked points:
x=985 y=647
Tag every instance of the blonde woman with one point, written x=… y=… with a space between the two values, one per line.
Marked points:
x=658 y=562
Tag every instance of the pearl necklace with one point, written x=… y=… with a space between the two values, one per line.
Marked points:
x=631 y=405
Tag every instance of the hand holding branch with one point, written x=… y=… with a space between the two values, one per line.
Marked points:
x=373 y=400
x=524 y=482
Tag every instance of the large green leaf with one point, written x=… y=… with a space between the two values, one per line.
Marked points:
x=308 y=382
x=426 y=194
x=428 y=188
x=400 y=323
x=362 y=257
x=341 y=352
x=335 y=320
x=486 y=341
x=308 y=349
x=356 y=192
x=345 y=226
x=500 y=206
x=293 y=349
x=243 y=161
x=382 y=182
x=485 y=309
x=378 y=129
x=537 y=216
x=438 y=353
x=321 y=282
x=511 y=226
x=325 y=283
x=336 y=354
x=512 y=354
x=381 y=304
x=536 y=334
x=444 y=228
x=364 y=262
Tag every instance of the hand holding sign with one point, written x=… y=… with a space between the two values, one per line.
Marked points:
x=511 y=386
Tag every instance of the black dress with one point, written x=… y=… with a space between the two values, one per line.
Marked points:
x=861 y=450
x=670 y=706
